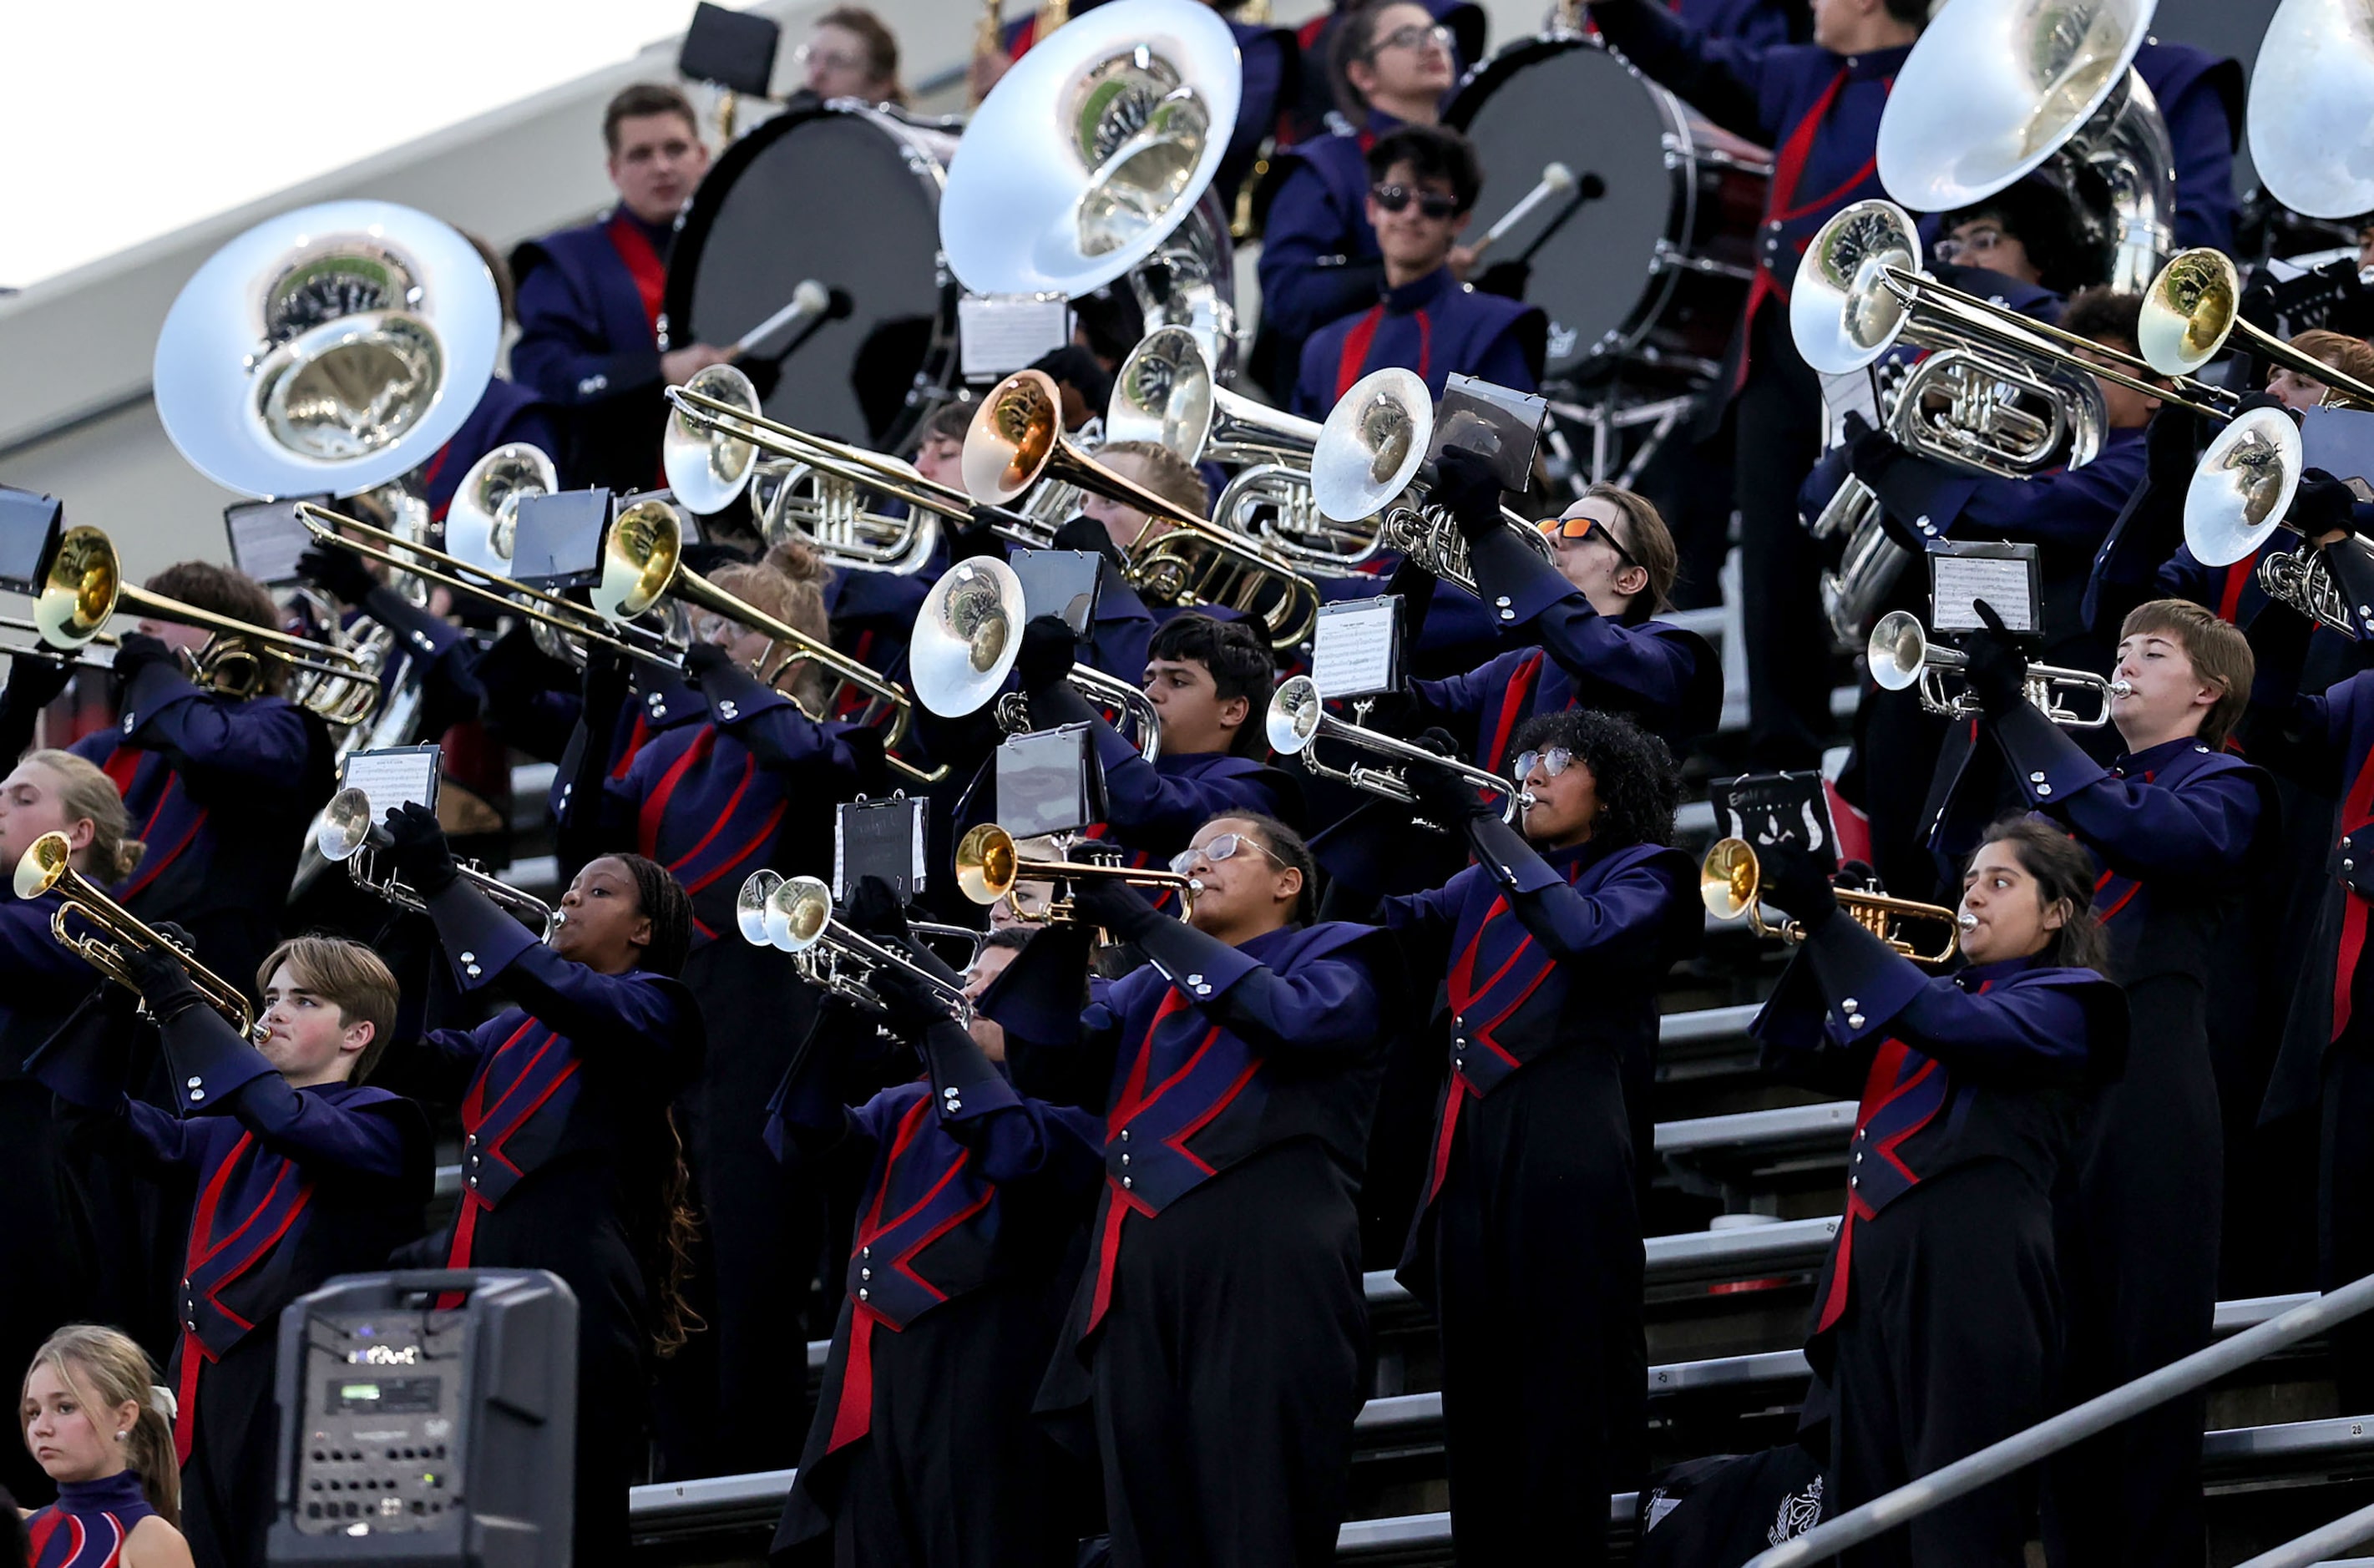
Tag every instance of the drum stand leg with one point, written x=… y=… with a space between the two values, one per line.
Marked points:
x=1608 y=421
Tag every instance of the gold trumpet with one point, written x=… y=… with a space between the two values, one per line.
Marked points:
x=1016 y=441
x=988 y=865
x=46 y=867
x=1730 y=880
x=83 y=588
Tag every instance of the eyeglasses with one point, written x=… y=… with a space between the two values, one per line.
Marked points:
x=808 y=54
x=1586 y=527
x=1553 y=761
x=1224 y=847
x=1417 y=35
x=1978 y=243
x=1433 y=203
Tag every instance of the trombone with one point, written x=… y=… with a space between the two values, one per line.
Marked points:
x=794 y=914
x=347 y=832
x=1900 y=655
x=1298 y=720
x=988 y=865
x=2192 y=310
x=967 y=635
x=642 y=564
x=84 y=588
x=1016 y=440
x=1730 y=880
x=46 y=867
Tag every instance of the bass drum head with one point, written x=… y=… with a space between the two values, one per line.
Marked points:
x=1563 y=100
x=849 y=197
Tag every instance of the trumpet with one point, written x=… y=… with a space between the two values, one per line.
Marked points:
x=967 y=635
x=1298 y=720
x=1730 y=880
x=794 y=914
x=1016 y=440
x=347 y=832
x=83 y=588
x=1901 y=655
x=45 y=868
x=988 y=865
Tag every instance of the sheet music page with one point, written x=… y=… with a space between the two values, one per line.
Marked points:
x=1960 y=580
x=1003 y=333
x=266 y=540
x=1354 y=653
x=399 y=776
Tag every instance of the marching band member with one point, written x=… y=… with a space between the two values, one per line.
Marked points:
x=1937 y=1314
x=1818 y=107
x=590 y=298
x=2173 y=823
x=571 y=1160
x=47 y=1227
x=1593 y=610
x=1423 y=189
x=1327 y=101
x=1218 y=1329
x=1123 y=623
x=2023 y=248
x=924 y=1449
x=1392 y=66
x=1552 y=946
x=751 y=784
x=221 y=789
x=852 y=53
x=299 y=1170
x=103 y=1431
x=1209 y=682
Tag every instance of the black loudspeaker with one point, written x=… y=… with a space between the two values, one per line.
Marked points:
x=428 y=1419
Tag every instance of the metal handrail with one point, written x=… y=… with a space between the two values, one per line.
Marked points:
x=2307 y=1550
x=2022 y=1449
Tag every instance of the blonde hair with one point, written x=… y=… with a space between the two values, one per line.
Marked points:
x=87 y=793
x=106 y=1369
x=789 y=585
x=1168 y=475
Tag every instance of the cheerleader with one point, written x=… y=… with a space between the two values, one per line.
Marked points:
x=569 y=1159
x=101 y=1431
x=1937 y=1318
x=1220 y=1326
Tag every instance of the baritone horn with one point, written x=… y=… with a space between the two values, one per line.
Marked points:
x=1730 y=882
x=1178 y=558
x=485 y=509
x=794 y=914
x=46 y=867
x=967 y=635
x=1165 y=392
x=1298 y=720
x=989 y=864
x=347 y=832
x=1901 y=655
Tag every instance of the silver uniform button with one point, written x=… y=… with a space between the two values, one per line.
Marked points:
x=955 y=1105
x=469 y=958
x=2035 y=778
x=1128 y=1181
x=865 y=1252
x=472 y=971
x=866 y=1273
x=1194 y=979
x=863 y=1293
x=197 y=1095
x=128 y=722
x=1124 y=1159
x=1854 y=1020
x=1502 y=602
x=2044 y=789
x=196 y=1083
x=949 y=1092
x=1124 y=1135
x=1854 y=1181
x=1850 y=1004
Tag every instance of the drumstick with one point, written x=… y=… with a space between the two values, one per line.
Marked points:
x=1556 y=178
x=810 y=298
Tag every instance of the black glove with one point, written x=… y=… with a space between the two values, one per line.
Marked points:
x=1048 y=651
x=1442 y=796
x=705 y=659
x=979 y=537
x=2322 y=505
x=604 y=685
x=1870 y=453
x=338 y=573
x=874 y=910
x=34 y=683
x=1087 y=535
x=2172 y=446
x=161 y=977
x=137 y=651
x=1115 y=905
x=421 y=856
x=1998 y=667
x=1466 y=487
x=911 y=1006
x=1506 y=279
x=1797 y=884
x=2263 y=399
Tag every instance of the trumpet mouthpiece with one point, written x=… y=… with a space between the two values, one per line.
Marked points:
x=1966 y=921
x=2121 y=688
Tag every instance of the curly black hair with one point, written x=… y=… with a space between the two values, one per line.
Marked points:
x=1639 y=787
x=2066 y=254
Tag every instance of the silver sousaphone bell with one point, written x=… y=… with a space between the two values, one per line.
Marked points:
x=1092 y=151
x=328 y=349
x=2311 y=118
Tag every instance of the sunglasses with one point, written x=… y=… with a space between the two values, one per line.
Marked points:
x=1585 y=528
x=1553 y=761
x=1224 y=847
x=1433 y=205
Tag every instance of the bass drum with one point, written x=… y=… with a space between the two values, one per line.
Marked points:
x=1654 y=272
x=849 y=197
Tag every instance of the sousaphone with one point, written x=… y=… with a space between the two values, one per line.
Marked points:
x=328 y=349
